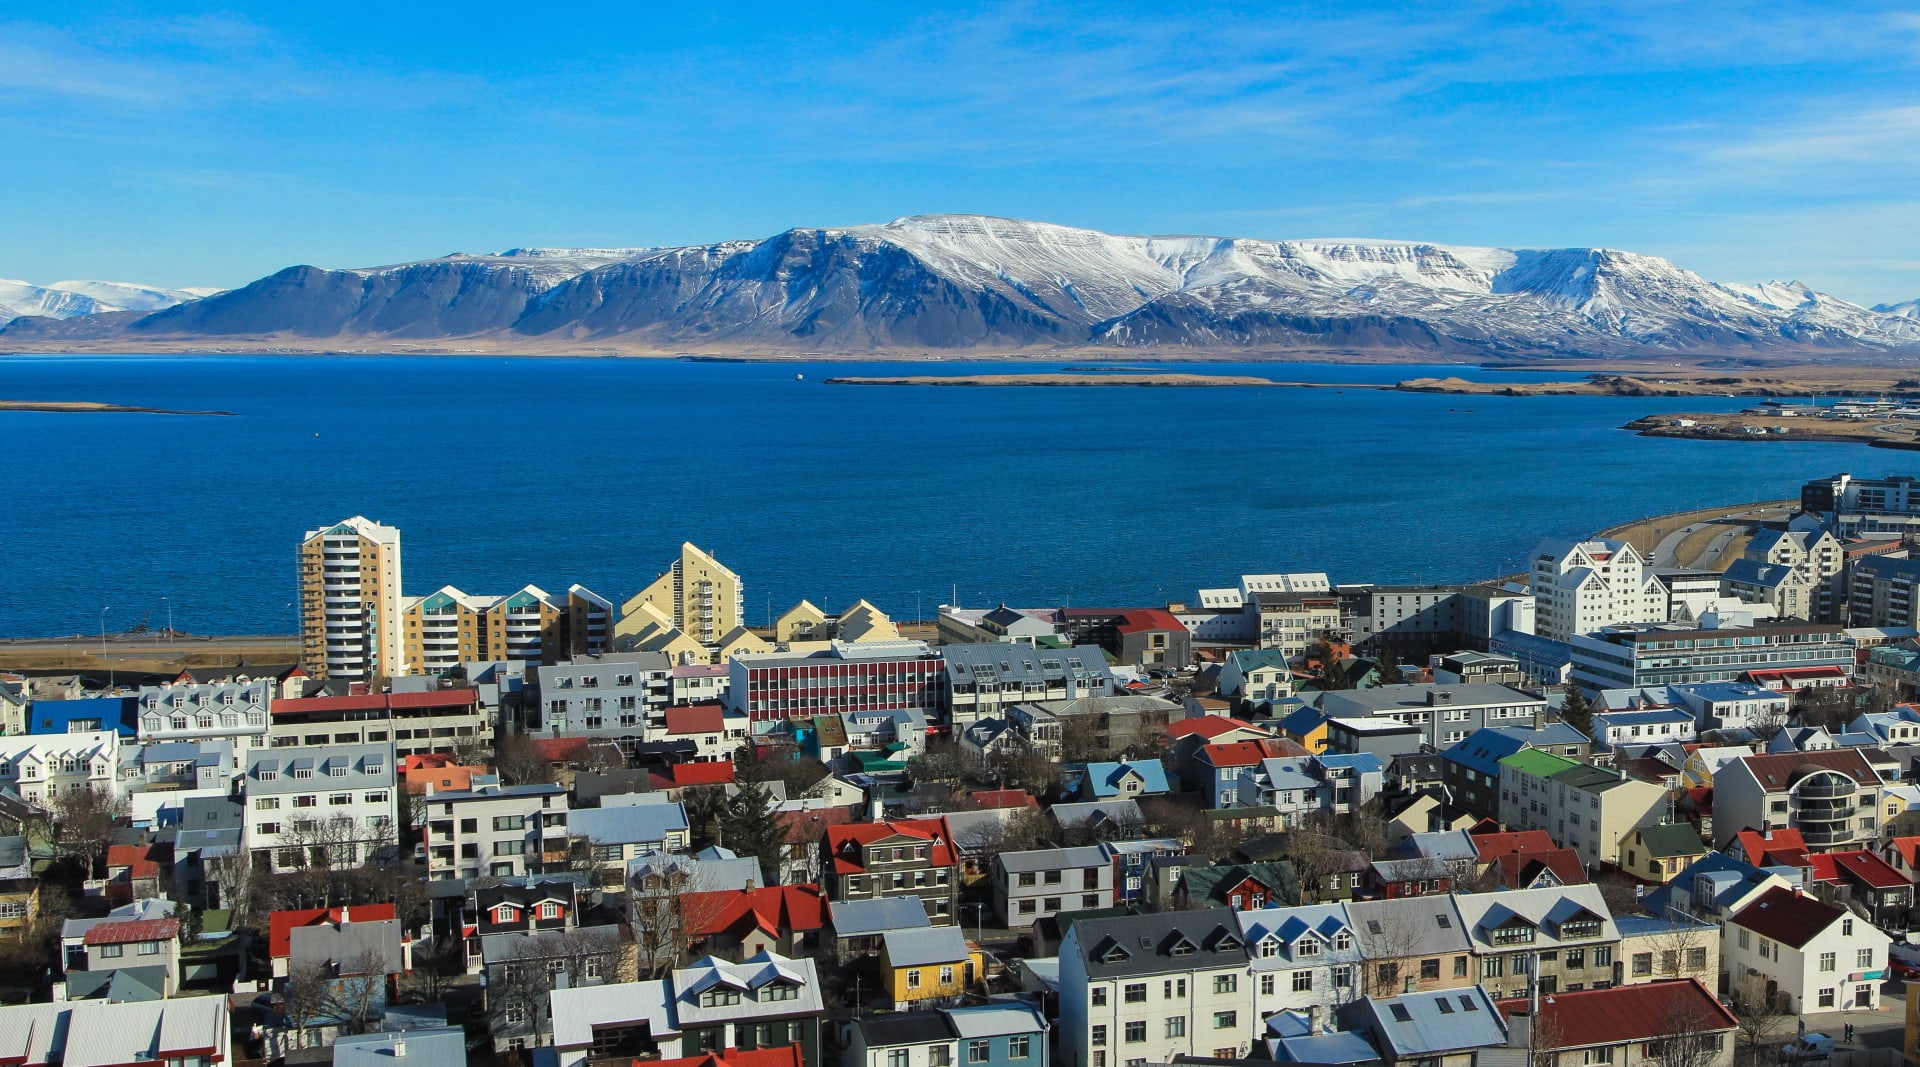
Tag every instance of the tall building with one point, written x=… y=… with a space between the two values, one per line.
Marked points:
x=1880 y=591
x=350 y=601
x=1581 y=586
x=1863 y=507
x=704 y=599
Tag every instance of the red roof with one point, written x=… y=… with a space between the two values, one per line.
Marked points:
x=559 y=749
x=1209 y=726
x=775 y=909
x=807 y=826
x=1786 y=916
x=1625 y=1014
x=125 y=933
x=1003 y=798
x=436 y=698
x=137 y=858
x=281 y=924
x=1237 y=753
x=1519 y=869
x=681 y=775
x=1860 y=865
x=1909 y=849
x=1501 y=843
x=733 y=1057
x=1143 y=619
x=1783 y=847
x=848 y=860
x=696 y=719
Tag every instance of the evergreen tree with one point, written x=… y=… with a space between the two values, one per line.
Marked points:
x=1575 y=712
x=1390 y=670
x=751 y=826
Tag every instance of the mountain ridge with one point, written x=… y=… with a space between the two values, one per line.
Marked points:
x=959 y=283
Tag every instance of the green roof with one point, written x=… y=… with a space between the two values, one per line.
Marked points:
x=1670 y=840
x=1537 y=763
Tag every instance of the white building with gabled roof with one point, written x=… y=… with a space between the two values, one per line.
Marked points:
x=1581 y=586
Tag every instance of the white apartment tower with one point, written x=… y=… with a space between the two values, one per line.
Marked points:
x=1581 y=586
x=350 y=601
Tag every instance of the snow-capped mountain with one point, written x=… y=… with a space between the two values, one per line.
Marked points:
x=973 y=282
x=1907 y=309
x=65 y=300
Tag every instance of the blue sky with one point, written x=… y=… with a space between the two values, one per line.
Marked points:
x=1743 y=141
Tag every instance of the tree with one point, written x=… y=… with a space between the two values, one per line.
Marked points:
x=1026 y=767
x=1621 y=894
x=519 y=762
x=941 y=762
x=355 y=995
x=1768 y=722
x=1333 y=666
x=781 y=761
x=1762 y=1022
x=1316 y=857
x=1678 y=943
x=1080 y=739
x=1575 y=711
x=306 y=996
x=753 y=828
x=1026 y=831
x=1389 y=670
x=705 y=804
x=1689 y=1035
x=84 y=820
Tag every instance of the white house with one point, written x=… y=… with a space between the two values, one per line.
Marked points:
x=1148 y=988
x=39 y=766
x=1581 y=586
x=319 y=806
x=1256 y=674
x=1303 y=958
x=1808 y=956
x=1657 y=726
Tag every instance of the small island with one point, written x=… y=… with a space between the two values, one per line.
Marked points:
x=72 y=407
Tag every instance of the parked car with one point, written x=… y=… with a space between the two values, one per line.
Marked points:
x=1905 y=970
x=1807 y=1048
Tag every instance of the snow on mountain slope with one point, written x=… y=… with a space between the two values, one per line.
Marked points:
x=68 y=299
x=1906 y=309
x=24 y=298
x=967 y=281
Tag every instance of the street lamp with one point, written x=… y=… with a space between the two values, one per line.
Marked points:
x=979 y=921
x=169 y=605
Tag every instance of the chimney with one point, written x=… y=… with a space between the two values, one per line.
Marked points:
x=1313 y=1020
x=1406 y=984
x=875 y=812
x=1540 y=717
x=399 y=1049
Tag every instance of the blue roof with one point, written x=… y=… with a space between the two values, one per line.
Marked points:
x=1357 y=762
x=1339 y=1047
x=1303 y=721
x=1484 y=749
x=1104 y=778
x=442 y=1047
x=1718 y=691
x=638 y=824
x=56 y=716
x=1469 y=1021
x=1660 y=899
x=1250 y=658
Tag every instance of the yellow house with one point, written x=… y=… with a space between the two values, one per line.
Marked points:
x=1704 y=762
x=1308 y=727
x=929 y=964
x=1657 y=853
x=802 y=622
x=696 y=593
x=864 y=622
x=739 y=641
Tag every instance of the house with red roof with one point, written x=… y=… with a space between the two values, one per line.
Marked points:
x=1215 y=770
x=281 y=924
x=1904 y=854
x=437 y=770
x=129 y=943
x=994 y=799
x=1630 y=1025
x=715 y=734
x=783 y=1056
x=1538 y=870
x=1490 y=844
x=433 y=720
x=737 y=924
x=133 y=871
x=688 y=775
x=1771 y=848
x=1186 y=737
x=1152 y=637
x=1864 y=878
x=1832 y=796
x=900 y=858
x=805 y=829
x=1803 y=955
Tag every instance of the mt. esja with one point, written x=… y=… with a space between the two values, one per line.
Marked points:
x=965 y=282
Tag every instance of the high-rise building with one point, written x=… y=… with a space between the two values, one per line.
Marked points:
x=448 y=627
x=350 y=601
x=704 y=599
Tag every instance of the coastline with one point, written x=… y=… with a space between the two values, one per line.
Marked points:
x=92 y=407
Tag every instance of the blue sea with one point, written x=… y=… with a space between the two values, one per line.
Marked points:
x=503 y=471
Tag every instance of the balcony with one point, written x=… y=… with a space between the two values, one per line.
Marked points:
x=1826 y=787
x=1828 y=837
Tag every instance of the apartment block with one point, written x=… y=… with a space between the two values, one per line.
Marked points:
x=1832 y=797
x=496 y=831
x=1588 y=809
x=615 y=695
x=1581 y=586
x=1150 y=988
x=1445 y=714
x=1855 y=507
x=447 y=627
x=1880 y=591
x=234 y=711
x=415 y=723
x=350 y=602
x=1628 y=657
x=913 y=858
x=319 y=806
x=867 y=676
x=982 y=681
x=702 y=598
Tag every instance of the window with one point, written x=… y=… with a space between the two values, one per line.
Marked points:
x=1827 y=961
x=507 y=822
x=1846 y=927
x=1305 y=947
x=1864 y=960
x=306 y=801
x=1642 y=963
x=1136 y=1032
x=1343 y=977
x=112 y=952
x=1100 y=996
x=1459 y=966
x=149 y=948
x=1303 y=981
x=1429 y=970
x=1176 y=1026
x=376 y=798
x=339 y=800
x=1596 y=1055
x=1493 y=967
x=1267 y=985
x=1826 y=998
x=1018 y=1046
x=1225 y=1020
x=1226 y=983
x=266 y=803
x=716 y=998
x=1098 y=1036
x=1175 y=987
x=1745 y=939
x=913 y=979
x=509 y=848
x=1136 y=993
x=940 y=1056
x=946 y=976
x=897 y=1057
x=1090 y=900
x=780 y=991
x=1026 y=878
x=1576 y=959
x=979 y=1050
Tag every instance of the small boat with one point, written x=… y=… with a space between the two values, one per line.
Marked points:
x=799 y=377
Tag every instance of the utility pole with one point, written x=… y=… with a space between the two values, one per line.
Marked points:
x=103 y=646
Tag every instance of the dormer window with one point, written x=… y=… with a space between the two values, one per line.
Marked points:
x=1343 y=940
x=717 y=998
x=1305 y=947
x=1269 y=948
x=1519 y=933
x=303 y=772
x=179 y=722
x=267 y=774
x=780 y=991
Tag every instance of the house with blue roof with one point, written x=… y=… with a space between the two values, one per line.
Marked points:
x=1348 y=780
x=91 y=715
x=1127 y=779
x=1901 y=726
x=1655 y=726
x=1303 y=957
x=619 y=834
x=1730 y=705
x=1300 y=1037
x=1428 y=1027
x=1712 y=888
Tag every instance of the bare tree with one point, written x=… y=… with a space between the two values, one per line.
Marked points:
x=1316 y=857
x=234 y=875
x=519 y=762
x=1080 y=739
x=1768 y=722
x=307 y=997
x=1388 y=936
x=1763 y=1022
x=519 y=996
x=84 y=820
x=1545 y=1038
x=1684 y=949
x=356 y=994
x=1689 y=1034
x=668 y=909
x=1025 y=831
x=1466 y=874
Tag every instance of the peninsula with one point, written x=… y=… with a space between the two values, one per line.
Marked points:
x=71 y=407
